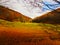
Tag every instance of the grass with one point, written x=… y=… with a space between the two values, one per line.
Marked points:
x=40 y=25
x=32 y=26
x=39 y=33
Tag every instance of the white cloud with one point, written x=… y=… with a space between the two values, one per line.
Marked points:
x=24 y=8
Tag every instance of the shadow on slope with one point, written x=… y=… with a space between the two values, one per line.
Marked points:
x=52 y=17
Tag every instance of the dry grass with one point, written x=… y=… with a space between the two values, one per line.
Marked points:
x=17 y=33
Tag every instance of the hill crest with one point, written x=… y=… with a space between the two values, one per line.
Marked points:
x=11 y=15
x=52 y=17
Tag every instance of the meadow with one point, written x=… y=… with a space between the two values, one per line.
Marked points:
x=17 y=33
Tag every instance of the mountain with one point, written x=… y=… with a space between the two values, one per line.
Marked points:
x=11 y=15
x=52 y=17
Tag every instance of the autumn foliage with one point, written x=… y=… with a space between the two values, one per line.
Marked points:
x=52 y=17
x=11 y=15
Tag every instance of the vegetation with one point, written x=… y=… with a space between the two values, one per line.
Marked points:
x=50 y=17
x=11 y=15
x=40 y=25
x=34 y=33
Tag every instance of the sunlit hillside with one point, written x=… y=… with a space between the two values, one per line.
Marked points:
x=11 y=15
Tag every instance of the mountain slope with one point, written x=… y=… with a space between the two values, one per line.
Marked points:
x=11 y=15
x=52 y=17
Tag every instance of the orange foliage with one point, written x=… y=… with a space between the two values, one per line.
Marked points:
x=52 y=17
x=11 y=15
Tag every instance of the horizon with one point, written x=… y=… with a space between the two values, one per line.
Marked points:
x=28 y=11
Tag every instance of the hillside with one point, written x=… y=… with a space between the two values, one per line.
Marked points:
x=11 y=15
x=14 y=32
x=52 y=17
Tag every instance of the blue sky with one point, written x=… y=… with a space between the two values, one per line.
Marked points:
x=27 y=9
x=51 y=4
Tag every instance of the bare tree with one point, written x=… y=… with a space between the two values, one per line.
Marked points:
x=57 y=1
x=32 y=4
x=40 y=3
x=3 y=1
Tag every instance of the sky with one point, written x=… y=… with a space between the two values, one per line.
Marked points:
x=30 y=8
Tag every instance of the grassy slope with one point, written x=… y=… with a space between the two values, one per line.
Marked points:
x=11 y=15
x=17 y=33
